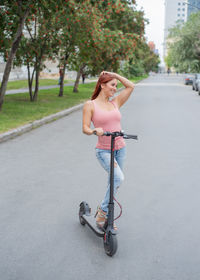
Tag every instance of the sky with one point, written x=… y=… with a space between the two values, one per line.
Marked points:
x=154 y=11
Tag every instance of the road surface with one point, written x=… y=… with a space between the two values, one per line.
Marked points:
x=46 y=173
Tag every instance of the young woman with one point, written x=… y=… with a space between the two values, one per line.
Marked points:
x=103 y=111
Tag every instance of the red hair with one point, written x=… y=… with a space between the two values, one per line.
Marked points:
x=103 y=79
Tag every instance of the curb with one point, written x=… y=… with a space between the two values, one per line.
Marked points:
x=28 y=127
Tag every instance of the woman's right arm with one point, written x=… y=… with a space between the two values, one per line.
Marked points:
x=87 y=118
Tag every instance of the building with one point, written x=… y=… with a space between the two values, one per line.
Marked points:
x=151 y=46
x=177 y=11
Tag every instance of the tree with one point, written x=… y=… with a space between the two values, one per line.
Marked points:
x=40 y=43
x=73 y=23
x=169 y=60
x=111 y=36
x=184 y=45
x=142 y=61
x=12 y=19
x=13 y=16
x=150 y=59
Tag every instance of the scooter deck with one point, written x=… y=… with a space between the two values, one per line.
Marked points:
x=91 y=222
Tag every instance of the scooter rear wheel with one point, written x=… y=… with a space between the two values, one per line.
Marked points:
x=110 y=243
x=84 y=209
x=82 y=222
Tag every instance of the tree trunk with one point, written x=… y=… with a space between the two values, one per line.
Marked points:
x=13 y=51
x=37 y=73
x=30 y=81
x=78 y=77
x=63 y=76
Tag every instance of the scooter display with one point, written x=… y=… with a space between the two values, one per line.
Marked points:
x=107 y=232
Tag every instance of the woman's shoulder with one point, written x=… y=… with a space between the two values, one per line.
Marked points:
x=88 y=105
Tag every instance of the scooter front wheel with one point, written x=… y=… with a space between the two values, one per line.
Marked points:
x=110 y=243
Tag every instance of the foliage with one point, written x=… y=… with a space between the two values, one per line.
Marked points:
x=184 y=45
x=84 y=35
x=12 y=17
x=22 y=11
x=112 y=36
x=11 y=13
x=39 y=43
x=142 y=61
x=169 y=59
x=9 y=20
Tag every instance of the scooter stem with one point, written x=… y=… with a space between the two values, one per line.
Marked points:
x=111 y=202
x=112 y=169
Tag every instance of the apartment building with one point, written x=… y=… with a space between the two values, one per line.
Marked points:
x=175 y=11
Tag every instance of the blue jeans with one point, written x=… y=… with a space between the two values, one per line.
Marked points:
x=104 y=158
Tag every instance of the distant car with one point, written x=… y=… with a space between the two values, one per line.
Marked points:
x=195 y=82
x=188 y=80
x=198 y=86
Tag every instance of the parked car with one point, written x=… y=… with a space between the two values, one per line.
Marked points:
x=195 y=82
x=198 y=86
x=188 y=80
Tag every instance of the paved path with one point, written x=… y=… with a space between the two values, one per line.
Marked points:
x=48 y=171
x=24 y=90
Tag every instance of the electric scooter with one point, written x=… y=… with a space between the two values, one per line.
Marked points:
x=107 y=232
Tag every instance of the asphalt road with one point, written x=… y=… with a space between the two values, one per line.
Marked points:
x=46 y=173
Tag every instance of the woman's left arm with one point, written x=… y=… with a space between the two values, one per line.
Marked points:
x=125 y=93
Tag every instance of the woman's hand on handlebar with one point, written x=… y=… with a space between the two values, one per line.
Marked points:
x=98 y=131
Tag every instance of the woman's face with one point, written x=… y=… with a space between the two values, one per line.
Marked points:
x=110 y=87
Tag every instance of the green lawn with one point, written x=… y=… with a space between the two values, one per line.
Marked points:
x=18 y=110
x=24 y=83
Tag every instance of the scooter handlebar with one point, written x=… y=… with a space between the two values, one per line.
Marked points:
x=120 y=133
x=129 y=136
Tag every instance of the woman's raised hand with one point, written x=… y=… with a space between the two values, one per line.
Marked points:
x=106 y=72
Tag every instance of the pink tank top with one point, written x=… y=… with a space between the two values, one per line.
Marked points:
x=109 y=121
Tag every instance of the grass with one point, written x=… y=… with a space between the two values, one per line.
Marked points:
x=24 y=83
x=18 y=110
x=137 y=79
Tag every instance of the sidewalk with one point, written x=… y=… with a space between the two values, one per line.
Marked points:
x=24 y=90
